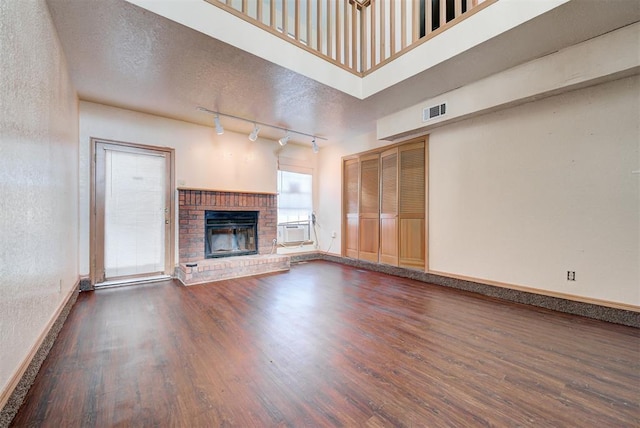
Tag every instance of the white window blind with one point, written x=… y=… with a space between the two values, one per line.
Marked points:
x=295 y=199
x=134 y=213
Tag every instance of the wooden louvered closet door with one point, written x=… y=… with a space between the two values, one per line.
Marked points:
x=351 y=186
x=412 y=207
x=389 y=207
x=369 y=208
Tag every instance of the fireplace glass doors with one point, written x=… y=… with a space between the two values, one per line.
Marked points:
x=230 y=233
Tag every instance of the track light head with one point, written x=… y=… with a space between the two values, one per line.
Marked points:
x=284 y=140
x=219 y=128
x=254 y=134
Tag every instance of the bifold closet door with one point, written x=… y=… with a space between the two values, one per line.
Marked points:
x=389 y=207
x=412 y=208
x=351 y=183
x=369 y=208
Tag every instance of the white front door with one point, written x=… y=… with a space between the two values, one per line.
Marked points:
x=133 y=211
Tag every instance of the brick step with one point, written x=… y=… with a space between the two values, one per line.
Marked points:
x=210 y=270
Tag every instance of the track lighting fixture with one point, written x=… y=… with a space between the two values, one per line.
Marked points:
x=256 y=129
x=284 y=140
x=219 y=128
x=254 y=134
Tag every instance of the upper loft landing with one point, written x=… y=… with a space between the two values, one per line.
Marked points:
x=359 y=36
x=359 y=47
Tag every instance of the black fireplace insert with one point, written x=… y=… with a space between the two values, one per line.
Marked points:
x=230 y=233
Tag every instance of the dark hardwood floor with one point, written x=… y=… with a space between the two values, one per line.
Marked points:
x=330 y=345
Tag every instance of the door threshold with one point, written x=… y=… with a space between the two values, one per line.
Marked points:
x=132 y=281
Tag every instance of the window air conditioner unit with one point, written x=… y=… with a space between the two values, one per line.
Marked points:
x=289 y=234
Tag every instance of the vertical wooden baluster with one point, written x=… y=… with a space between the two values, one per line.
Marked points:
x=457 y=8
x=346 y=32
x=374 y=46
x=259 y=12
x=244 y=7
x=285 y=17
x=443 y=12
x=428 y=16
x=272 y=14
x=364 y=46
x=354 y=37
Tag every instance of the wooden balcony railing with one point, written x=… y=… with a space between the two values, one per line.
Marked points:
x=357 y=35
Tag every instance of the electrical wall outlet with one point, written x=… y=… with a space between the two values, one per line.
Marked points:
x=333 y=234
x=571 y=275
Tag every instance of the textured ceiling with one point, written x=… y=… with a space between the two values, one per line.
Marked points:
x=125 y=56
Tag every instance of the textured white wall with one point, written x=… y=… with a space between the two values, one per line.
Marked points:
x=523 y=195
x=203 y=159
x=38 y=180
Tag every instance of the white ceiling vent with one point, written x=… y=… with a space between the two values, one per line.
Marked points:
x=430 y=113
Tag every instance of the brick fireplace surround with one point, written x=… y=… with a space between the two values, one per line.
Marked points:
x=192 y=205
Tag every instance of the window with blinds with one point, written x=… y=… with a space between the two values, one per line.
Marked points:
x=295 y=199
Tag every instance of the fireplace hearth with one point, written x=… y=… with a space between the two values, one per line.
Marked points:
x=230 y=233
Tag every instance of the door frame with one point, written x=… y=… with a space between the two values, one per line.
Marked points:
x=96 y=227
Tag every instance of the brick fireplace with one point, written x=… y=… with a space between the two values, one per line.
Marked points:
x=193 y=267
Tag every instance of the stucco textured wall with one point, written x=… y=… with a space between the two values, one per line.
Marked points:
x=38 y=180
x=522 y=195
